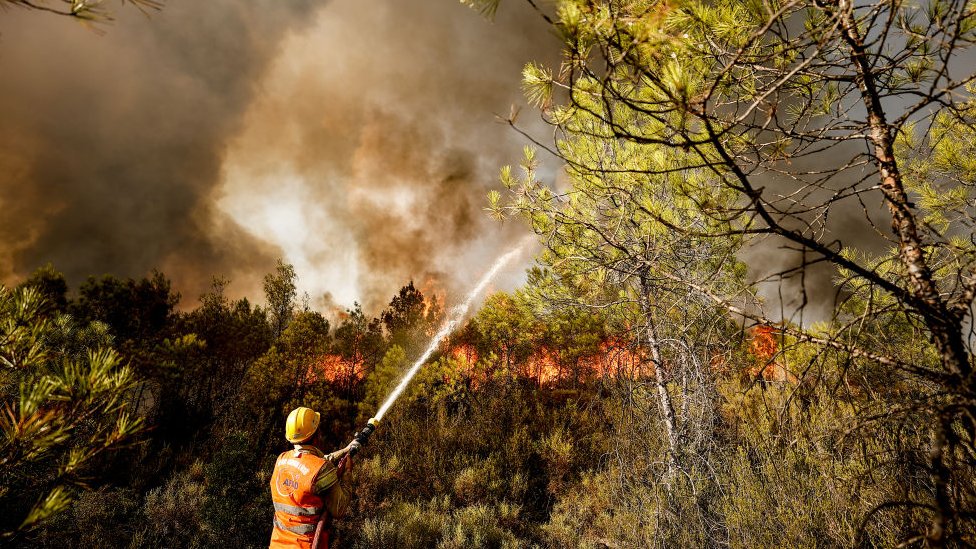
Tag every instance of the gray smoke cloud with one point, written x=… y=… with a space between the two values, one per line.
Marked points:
x=797 y=285
x=354 y=139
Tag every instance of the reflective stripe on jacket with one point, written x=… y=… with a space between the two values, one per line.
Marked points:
x=297 y=508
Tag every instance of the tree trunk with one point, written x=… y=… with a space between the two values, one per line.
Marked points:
x=664 y=398
x=944 y=324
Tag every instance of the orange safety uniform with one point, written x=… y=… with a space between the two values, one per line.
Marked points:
x=297 y=509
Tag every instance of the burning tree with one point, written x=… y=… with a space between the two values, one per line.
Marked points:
x=358 y=346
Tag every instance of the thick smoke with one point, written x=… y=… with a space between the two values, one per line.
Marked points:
x=383 y=118
x=355 y=139
x=112 y=143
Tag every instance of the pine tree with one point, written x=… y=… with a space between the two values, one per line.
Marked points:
x=65 y=402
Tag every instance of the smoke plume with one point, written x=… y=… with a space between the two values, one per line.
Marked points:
x=354 y=139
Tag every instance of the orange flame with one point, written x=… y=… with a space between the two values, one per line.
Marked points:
x=619 y=359
x=765 y=348
x=334 y=368
x=464 y=352
x=543 y=366
x=432 y=290
x=763 y=344
x=466 y=357
x=615 y=358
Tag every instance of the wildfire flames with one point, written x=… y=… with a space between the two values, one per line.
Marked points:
x=614 y=358
x=434 y=294
x=618 y=359
x=464 y=353
x=764 y=347
x=547 y=366
x=336 y=369
x=543 y=366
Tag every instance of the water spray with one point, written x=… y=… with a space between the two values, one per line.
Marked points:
x=456 y=316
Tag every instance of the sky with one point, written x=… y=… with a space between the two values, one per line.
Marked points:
x=354 y=139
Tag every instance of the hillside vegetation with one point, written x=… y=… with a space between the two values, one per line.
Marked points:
x=129 y=423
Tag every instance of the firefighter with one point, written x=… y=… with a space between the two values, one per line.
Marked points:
x=307 y=485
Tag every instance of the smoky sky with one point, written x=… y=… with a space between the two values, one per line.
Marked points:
x=354 y=139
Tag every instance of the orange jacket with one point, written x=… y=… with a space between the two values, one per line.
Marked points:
x=297 y=508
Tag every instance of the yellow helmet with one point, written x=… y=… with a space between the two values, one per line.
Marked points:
x=301 y=424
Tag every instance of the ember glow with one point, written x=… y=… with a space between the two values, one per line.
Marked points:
x=763 y=344
x=434 y=297
x=544 y=366
x=619 y=359
x=548 y=367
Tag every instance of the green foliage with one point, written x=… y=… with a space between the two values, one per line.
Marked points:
x=460 y=466
x=506 y=326
x=234 y=495
x=486 y=7
x=71 y=408
x=359 y=341
x=106 y=517
x=692 y=132
x=171 y=515
x=438 y=524
x=52 y=286
x=280 y=292
x=134 y=309
x=279 y=380
x=537 y=83
x=799 y=477
x=478 y=451
x=381 y=381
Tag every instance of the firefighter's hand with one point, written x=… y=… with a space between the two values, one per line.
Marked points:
x=353 y=447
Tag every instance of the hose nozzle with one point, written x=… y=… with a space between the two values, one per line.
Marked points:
x=360 y=438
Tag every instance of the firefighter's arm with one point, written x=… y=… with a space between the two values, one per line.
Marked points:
x=343 y=457
x=327 y=477
x=334 y=457
x=333 y=492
